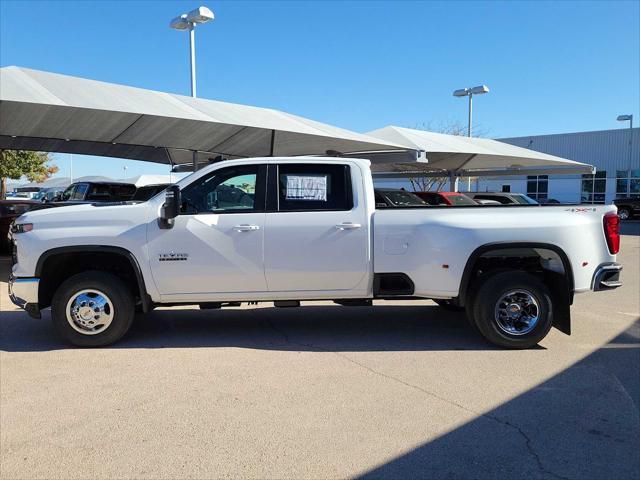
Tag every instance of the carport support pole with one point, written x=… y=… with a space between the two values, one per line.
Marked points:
x=273 y=143
x=453 y=181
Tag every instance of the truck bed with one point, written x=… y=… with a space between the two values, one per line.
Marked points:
x=433 y=244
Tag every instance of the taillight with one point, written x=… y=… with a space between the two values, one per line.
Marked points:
x=612 y=232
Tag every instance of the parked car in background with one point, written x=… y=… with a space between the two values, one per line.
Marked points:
x=395 y=197
x=48 y=194
x=10 y=210
x=445 y=198
x=503 y=198
x=627 y=207
x=91 y=192
x=18 y=195
x=146 y=192
x=482 y=201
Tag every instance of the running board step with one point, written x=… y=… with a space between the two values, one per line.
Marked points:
x=355 y=302
x=286 y=303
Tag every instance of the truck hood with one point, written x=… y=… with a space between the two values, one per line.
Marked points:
x=88 y=213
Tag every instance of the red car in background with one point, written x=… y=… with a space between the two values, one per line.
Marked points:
x=445 y=198
x=9 y=211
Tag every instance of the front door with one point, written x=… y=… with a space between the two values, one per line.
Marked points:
x=216 y=243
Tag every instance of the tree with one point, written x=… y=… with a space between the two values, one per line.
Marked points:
x=426 y=183
x=15 y=164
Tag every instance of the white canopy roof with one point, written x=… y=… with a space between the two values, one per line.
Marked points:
x=58 y=113
x=468 y=156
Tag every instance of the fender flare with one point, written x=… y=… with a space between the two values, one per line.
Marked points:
x=562 y=300
x=147 y=303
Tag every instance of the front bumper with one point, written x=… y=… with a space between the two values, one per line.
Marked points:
x=24 y=293
x=606 y=277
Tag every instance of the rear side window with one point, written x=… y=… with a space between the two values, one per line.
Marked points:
x=305 y=187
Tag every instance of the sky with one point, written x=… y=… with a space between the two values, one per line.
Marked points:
x=552 y=67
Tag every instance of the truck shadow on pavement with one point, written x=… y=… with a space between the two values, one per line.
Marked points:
x=580 y=424
x=308 y=328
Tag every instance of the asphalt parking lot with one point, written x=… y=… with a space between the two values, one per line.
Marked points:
x=403 y=390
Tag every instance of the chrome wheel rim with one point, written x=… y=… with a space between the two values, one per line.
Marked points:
x=517 y=312
x=623 y=214
x=90 y=312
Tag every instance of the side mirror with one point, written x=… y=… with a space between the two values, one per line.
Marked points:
x=171 y=207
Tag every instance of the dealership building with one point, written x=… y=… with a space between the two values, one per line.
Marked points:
x=614 y=153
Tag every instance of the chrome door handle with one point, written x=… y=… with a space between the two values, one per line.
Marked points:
x=348 y=226
x=246 y=228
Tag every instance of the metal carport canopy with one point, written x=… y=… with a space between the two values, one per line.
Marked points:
x=464 y=156
x=59 y=113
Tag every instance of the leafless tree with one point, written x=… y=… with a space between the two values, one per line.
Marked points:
x=427 y=183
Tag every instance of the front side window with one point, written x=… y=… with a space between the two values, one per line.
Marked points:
x=304 y=187
x=228 y=190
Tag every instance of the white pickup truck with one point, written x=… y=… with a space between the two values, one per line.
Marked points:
x=307 y=228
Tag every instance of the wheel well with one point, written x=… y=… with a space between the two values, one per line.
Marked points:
x=56 y=267
x=547 y=262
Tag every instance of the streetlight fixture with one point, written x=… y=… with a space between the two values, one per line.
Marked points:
x=188 y=21
x=628 y=118
x=470 y=92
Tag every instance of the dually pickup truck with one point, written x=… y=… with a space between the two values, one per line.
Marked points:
x=307 y=228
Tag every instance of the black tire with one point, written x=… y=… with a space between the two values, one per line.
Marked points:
x=449 y=305
x=492 y=290
x=121 y=303
x=469 y=311
x=624 y=213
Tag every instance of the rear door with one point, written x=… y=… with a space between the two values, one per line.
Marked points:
x=316 y=229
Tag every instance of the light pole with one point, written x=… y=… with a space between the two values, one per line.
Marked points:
x=188 y=21
x=628 y=118
x=470 y=92
x=467 y=92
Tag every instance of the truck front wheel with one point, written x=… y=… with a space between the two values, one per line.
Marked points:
x=92 y=309
x=513 y=310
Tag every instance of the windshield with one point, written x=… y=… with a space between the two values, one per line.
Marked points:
x=401 y=198
x=148 y=191
x=460 y=200
x=524 y=200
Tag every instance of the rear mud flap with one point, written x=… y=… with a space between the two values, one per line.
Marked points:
x=562 y=314
x=562 y=299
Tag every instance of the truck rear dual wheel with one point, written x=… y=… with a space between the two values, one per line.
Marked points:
x=512 y=310
x=92 y=309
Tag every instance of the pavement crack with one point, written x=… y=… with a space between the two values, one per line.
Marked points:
x=528 y=442
x=527 y=439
